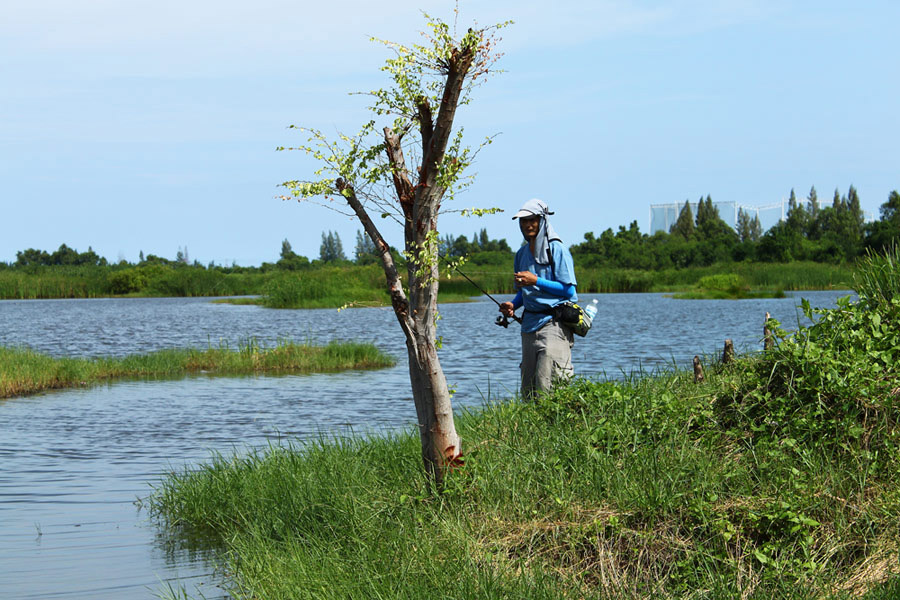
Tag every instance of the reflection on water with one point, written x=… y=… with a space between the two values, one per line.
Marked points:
x=74 y=461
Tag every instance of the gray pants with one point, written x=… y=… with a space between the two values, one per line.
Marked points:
x=546 y=358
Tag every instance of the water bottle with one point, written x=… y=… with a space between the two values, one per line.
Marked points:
x=591 y=309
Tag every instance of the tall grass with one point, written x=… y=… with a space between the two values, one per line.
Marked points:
x=496 y=280
x=84 y=282
x=769 y=276
x=877 y=281
x=787 y=276
x=23 y=371
x=350 y=286
x=327 y=288
x=201 y=282
x=149 y=280
x=774 y=478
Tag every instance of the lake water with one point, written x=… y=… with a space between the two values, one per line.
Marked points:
x=73 y=462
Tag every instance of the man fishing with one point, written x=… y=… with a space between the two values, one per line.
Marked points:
x=544 y=278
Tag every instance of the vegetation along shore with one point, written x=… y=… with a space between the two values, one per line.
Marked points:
x=814 y=247
x=773 y=477
x=23 y=371
x=363 y=285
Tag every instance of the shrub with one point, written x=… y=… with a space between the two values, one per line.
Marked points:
x=835 y=382
x=126 y=281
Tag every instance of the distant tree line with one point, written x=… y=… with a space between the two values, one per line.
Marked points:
x=331 y=252
x=64 y=256
x=831 y=234
x=482 y=249
x=836 y=233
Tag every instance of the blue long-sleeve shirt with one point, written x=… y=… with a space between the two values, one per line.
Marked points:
x=555 y=284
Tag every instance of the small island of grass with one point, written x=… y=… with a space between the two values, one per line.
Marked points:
x=725 y=286
x=24 y=371
x=330 y=288
x=266 y=302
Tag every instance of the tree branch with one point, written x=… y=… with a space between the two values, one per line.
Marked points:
x=405 y=192
x=433 y=153
x=395 y=285
x=426 y=127
x=399 y=174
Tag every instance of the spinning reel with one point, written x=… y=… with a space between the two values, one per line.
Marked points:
x=503 y=320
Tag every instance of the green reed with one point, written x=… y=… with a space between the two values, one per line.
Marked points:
x=24 y=371
x=335 y=287
x=332 y=287
x=878 y=279
x=62 y=283
x=327 y=288
x=772 y=276
x=759 y=276
x=145 y=280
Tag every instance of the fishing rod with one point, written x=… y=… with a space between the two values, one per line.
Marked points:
x=502 y=320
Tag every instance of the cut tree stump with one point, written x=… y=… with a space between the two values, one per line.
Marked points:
x=728 y=352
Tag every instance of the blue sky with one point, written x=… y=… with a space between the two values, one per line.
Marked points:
x=134 y=125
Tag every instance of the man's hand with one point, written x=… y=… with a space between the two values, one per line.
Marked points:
x=507 y=309
x=525 y=279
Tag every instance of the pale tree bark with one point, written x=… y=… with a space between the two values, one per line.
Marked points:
x=416 y=316
x=417 y=312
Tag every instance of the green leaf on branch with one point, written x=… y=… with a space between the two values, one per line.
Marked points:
x=479 y=212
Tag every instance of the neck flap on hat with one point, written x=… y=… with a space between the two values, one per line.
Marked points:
x=545 y=234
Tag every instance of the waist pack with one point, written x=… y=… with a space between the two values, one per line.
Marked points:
x=572 y=316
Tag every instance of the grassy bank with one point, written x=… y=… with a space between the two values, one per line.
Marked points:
x=774 y=478
x=24 y=371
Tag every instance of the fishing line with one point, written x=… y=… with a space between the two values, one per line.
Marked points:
x=488 y=273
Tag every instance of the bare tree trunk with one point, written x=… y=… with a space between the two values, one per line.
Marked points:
x=416 y=315
x=440 y=442
x=437 y=431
